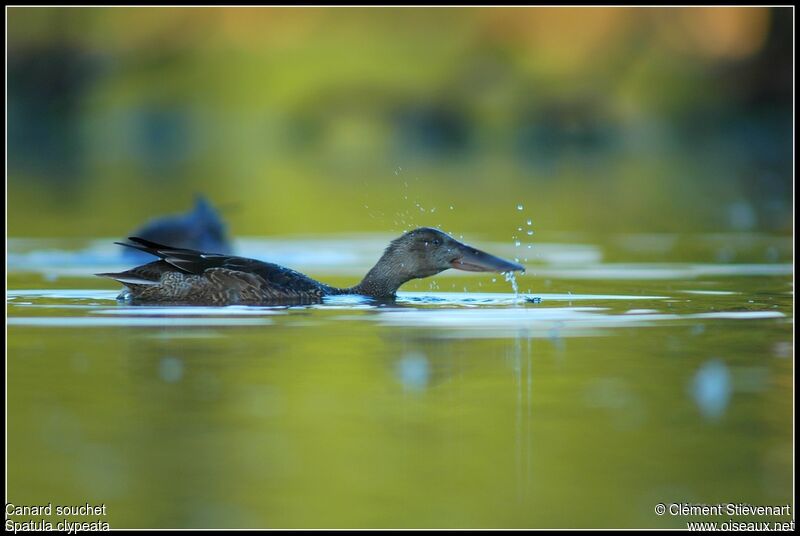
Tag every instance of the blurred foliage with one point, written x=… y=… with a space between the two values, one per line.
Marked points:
x=313 y=120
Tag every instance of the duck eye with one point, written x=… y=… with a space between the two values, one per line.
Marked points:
x=436 y=242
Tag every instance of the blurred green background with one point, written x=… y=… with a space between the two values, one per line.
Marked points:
x=311 y=120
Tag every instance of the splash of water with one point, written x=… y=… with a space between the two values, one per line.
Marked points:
x=511 y=277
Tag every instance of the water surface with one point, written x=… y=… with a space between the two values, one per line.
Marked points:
x=628 y=371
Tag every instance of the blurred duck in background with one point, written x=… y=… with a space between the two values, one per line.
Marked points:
x=201 y=228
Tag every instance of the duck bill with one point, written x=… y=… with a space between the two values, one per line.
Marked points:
x=475 y=260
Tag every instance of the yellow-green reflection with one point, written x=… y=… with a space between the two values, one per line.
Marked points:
x=346 y=416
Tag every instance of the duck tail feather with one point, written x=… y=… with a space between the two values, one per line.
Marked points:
x=128 y=278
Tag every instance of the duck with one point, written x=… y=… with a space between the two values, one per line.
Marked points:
x=191 y=277
x=202 y=228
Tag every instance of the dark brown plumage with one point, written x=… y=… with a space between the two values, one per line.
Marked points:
x=189 y=277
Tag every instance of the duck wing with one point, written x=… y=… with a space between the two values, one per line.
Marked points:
x=249 y=280
x=189 y=261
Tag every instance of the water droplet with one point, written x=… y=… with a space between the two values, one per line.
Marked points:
x=413 y=371
x=451 y=207
x=530 y=222
x=520 y=207
x=517 y=243
x=511 y=277
x=530 y=232
x=170 y=369
x=711 y=387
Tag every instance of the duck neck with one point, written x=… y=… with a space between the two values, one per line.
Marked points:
x=383 y=280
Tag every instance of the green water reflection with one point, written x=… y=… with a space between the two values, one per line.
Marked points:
x=352 y=416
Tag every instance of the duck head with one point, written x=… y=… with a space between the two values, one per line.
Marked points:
x=424 y=252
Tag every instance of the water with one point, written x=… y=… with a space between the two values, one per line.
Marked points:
x=511 y=277
x=637 y=370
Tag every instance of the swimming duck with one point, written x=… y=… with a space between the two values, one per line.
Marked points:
x=190 y=277
x=201 y=228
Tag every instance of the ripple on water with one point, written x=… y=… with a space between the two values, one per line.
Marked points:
x=352 y=255
x=158 y=321
x=545 y=322
x=450 y=314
